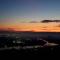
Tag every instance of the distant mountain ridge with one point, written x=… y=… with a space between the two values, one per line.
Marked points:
x=12 y=30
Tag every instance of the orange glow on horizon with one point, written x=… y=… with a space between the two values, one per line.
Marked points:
x=35 y=27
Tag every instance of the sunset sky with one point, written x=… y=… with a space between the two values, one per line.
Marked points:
x=18 y=14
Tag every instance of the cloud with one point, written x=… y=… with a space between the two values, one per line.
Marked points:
x=58 y=25
x=47 y=21
x=33 y=22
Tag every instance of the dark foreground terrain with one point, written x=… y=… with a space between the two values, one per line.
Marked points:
x=46 y=51
x=48 y=44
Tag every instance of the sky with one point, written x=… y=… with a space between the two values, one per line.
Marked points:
x=15 y=12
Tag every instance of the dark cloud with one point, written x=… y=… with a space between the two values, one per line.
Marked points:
x=47 y=21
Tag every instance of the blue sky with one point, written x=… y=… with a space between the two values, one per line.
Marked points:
x=28 y=10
